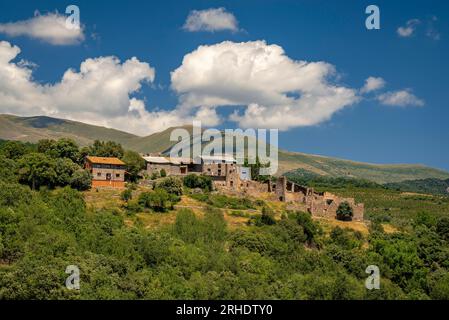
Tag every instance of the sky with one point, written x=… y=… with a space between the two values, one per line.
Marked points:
x=309 y=68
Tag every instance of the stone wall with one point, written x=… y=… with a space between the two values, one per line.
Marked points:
x=318 y=204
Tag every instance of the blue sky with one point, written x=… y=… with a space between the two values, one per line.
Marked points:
x=329 y=31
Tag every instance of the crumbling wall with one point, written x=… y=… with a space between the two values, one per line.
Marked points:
x=318 y=204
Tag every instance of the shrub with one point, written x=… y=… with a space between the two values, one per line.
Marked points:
x=310 y=229
x=171 y=185
x=344 y=212
x=133 y=206
x=155 y=175
x=196 y=181
x=443 y=228
x=267 y=216
x=425 y=218
x=345 y=238
x=158 y=200
x=163 y=173
x=187 y=226
x=126 y=195
x=292 y=231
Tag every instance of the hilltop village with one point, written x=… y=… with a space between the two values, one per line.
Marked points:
x=228 y=177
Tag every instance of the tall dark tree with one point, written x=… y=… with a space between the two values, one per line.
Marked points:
x=134 y=164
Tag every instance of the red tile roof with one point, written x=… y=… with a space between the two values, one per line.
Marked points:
x=105 y=160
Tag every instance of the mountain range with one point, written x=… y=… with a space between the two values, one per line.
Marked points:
x=33 y=129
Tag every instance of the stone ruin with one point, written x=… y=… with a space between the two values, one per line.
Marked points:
x=297 y=197
x=319 y=204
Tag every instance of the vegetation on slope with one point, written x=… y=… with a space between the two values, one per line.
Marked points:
x=281 y=255
x=432 y=186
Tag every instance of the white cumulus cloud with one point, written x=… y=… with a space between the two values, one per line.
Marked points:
x=373 y=84
x=100 y=93
x=401 y=98
x=276 y=91
x=50 y=28
x=211 y=20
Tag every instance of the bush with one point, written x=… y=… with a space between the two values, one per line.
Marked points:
x=196 y=181
x=133 y=206
x=267 y=216
x=345 y=238
x=443 y=228
x=344 y=212
x=155 y=175
x=171 y=185
x=158 y=200
x=310 y=229
x=292 y=231
x=163 y=173
x=126 y=195
x=187 y=226
x=425 y=218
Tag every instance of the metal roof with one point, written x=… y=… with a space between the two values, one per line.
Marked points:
x=156 y=159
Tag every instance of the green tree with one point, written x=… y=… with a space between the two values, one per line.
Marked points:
x=344 y=211
x=64 y=168
x=81 y=180
x=443 y=228
x=45 y=145
x=8 y=168
x=163 y=173
x=64 y=148
x=106 y=149
x=37 y=169
x=134 y=164
x=13 y=149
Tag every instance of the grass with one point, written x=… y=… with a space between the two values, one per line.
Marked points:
x=393 y=209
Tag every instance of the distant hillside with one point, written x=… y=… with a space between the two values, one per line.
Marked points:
x=432 y=186
x=333 y=167
x=33 y=129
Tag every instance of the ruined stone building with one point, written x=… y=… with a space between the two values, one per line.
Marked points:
x=229 y=177
x=320 y=204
